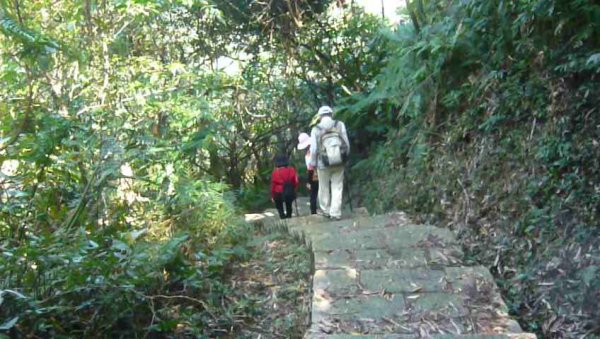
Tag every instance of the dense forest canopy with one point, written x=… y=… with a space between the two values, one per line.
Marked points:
x=128 y=148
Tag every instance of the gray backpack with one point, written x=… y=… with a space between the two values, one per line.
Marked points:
x=331 y=147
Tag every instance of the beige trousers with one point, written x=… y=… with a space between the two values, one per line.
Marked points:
x=331 y=189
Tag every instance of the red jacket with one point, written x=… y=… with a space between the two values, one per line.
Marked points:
x=281 y=175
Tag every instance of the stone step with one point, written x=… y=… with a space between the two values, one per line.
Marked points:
x=384 y=258
x=358 y=219
x=317 y=225
x=432 y=336
x=385 y=277
x=381 y=275
x=301 y=214
x=455 y=299
x=475 y=282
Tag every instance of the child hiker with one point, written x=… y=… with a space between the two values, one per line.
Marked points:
x=284 y=184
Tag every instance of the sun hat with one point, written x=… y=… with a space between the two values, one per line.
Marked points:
x=303 y=141
x=325 y=110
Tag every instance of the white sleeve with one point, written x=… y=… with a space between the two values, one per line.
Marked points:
x=313 y=147
x=345 y=136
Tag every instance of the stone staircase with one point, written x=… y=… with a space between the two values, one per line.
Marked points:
x=384 y=277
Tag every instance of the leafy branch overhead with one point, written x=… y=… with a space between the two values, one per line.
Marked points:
x=34 y=43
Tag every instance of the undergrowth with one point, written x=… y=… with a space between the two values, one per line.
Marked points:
x=278 y=279
x=196 y=271
x=498 y=137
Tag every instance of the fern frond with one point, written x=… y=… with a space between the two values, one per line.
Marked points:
x=12 y=29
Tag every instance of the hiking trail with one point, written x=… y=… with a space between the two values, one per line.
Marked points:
x=385 y=277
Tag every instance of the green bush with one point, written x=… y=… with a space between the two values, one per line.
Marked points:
x=120 y=281
x=496 y=107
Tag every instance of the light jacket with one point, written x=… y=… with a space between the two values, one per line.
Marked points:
x=281 y=175
x=326 y=122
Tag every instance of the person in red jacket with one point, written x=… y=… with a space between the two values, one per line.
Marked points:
x=284 y=184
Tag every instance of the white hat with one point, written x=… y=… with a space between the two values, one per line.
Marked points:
x=325 y=110
x=303 y=140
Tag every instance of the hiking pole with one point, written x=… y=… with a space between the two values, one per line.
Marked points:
x=296 y=203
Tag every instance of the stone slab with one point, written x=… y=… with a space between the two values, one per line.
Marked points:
x=358 y=307
x=408 y=280
x=473 y=336
x=433 y=336
x=363 y=239
x=319 y=225
x=383 y=277
x=333 y=259
x=419 y=236
x=435 y=305
x=336 y=283
x=383 y=258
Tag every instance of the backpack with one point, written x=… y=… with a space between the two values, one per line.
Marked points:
x=289 y=191
x=331 y=147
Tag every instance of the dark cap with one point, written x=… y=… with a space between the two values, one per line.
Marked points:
x=281 y=161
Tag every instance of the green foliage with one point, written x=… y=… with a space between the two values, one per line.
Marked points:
x=120 y=142
x=255 y=198
x=34 y=43
x=112 y=283
x=494 y=132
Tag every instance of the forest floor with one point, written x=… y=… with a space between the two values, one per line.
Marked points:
x=277 y=280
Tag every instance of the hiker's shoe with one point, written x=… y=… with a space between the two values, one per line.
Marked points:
x=321 y=213
x=336 y=218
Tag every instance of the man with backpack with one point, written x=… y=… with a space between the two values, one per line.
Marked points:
x=284 y=184
x=329 y=150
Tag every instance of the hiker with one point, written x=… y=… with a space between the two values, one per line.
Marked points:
x=284 y=184
x=329 y=148
x=312 y=182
